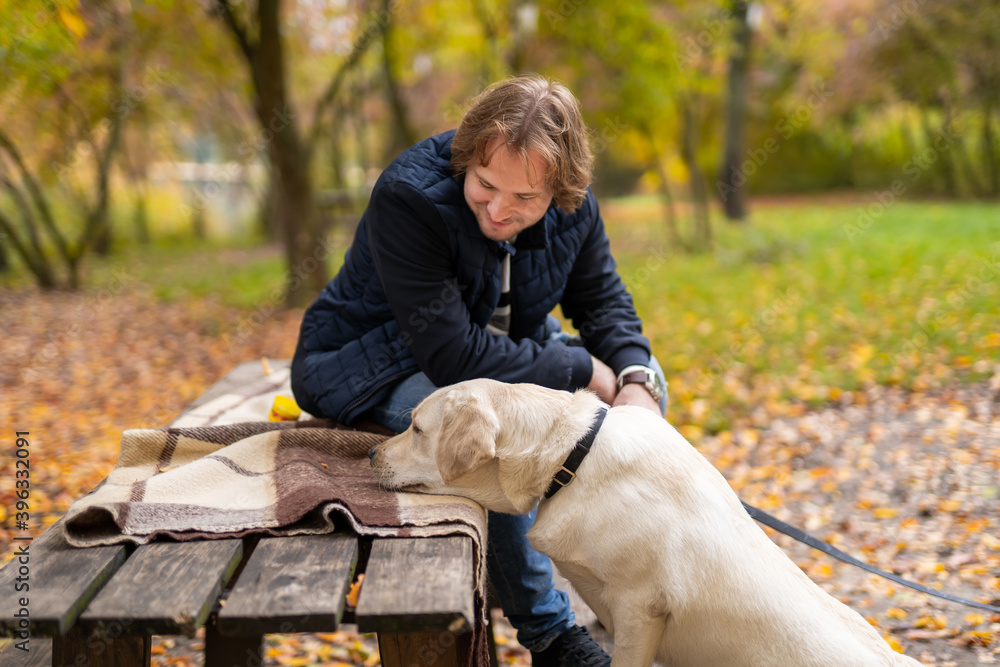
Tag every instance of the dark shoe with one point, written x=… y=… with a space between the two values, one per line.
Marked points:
x=573 y=648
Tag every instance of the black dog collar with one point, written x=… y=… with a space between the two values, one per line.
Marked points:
x=567 y=473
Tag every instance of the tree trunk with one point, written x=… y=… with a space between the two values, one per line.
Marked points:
x=102 y=240
x=403 y=135
x=268 y=214
x=38 y=264
x=30 y=226
x=289 y=157
x=199 y=228
x=140 y=218
x=294 y=197
x=732 y=183
x=699 y=186
x=667 y=197
x=669 y=209
x=945 y=165
x=97 y=217
x=137 y=178
x=360 y=92
x=989 y=151
x=491 y=67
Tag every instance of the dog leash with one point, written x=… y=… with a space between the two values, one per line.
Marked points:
x=830 y=550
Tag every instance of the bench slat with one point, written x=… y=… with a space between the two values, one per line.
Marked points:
x=418 y=585
x=39 y=654
x=298 y=584
x=62 y=580
x=164 y=588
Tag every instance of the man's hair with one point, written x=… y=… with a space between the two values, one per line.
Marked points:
x=530 y=113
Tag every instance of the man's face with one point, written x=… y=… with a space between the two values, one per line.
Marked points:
x=505 y=197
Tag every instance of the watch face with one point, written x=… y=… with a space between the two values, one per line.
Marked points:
x=660 y=384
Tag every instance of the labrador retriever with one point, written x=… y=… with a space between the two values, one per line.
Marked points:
x=648 y=532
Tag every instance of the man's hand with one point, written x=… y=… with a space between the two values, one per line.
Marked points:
x=636 y=394
x=603 y=382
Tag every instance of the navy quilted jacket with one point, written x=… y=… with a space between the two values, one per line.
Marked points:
x=420 y=282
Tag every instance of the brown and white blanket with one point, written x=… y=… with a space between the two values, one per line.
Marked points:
x=280 y=478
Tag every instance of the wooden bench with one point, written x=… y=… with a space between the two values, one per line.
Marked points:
x=100 y=606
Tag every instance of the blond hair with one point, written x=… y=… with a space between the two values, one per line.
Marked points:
x=530 y=113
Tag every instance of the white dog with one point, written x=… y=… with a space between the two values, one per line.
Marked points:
x=648 y=532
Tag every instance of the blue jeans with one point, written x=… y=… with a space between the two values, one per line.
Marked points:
x=521 y=576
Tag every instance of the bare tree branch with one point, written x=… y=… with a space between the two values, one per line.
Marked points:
x=372 y=27
x=35 y=264
x=37 y=196
x=239 y=32
x=26 y=214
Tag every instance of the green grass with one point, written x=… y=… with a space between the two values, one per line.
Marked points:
x=802 y=304
x=799 y=307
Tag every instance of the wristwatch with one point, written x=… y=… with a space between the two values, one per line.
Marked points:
x=646 y=376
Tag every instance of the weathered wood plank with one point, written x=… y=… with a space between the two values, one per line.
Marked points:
x=164 y=588
x=61 y=580
x=39 y=653
x=418 y=585
x=440 y=649
x=77 y=647
x=291 y=584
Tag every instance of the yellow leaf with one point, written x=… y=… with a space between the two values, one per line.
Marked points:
x=989 y=541
x=823 y=571
x=893 y=643
x=885 y=512
x=975 y=619
x=939 y=622
x=352 y=596
x=896 y=613
x=72 y=21
x=950 y=505
x=990 y=340
x=295 y=661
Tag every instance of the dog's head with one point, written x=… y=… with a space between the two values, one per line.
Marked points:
x=492 y=442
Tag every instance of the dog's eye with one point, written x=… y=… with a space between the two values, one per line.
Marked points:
x=416 y=430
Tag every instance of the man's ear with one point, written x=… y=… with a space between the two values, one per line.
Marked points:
x=468 y=436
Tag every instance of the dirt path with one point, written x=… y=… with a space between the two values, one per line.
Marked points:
x=909 y=483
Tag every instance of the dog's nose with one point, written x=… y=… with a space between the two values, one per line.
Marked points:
x=372 y=452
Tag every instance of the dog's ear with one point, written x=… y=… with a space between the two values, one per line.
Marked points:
x=468 y=437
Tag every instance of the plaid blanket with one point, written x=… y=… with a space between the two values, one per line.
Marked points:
x=280 y=478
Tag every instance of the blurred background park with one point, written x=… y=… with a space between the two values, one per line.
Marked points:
x=803 y=197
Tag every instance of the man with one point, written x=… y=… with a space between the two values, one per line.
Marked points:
x=469 y=241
